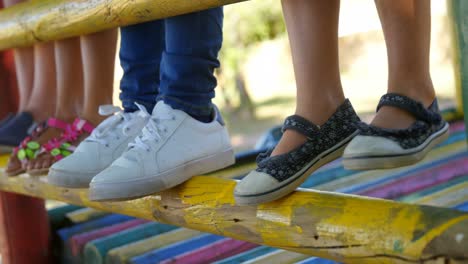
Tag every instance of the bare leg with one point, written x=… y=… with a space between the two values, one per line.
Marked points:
x=69 y=93
x=313 y=34
x=98 y=51
x=69 y=79
x=24 y=64
x=41 y=102
x=407 y=28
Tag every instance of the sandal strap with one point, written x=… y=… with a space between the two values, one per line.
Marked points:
x=57 y=123
x=301 y=125
x=83 y=125
x=413 y=107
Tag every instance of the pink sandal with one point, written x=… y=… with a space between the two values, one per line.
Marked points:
x=59 y=148
x=29 y=148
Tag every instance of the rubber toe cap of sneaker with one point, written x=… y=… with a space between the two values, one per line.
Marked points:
x=371 y=146
x=255 y=183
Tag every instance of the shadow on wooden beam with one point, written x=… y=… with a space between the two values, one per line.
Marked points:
x=344 y=228
x=38 y=21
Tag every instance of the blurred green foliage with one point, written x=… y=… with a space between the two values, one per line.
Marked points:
x=245 y=26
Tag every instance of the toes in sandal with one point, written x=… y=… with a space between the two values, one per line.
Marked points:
x=279 y=175
x=28 y=149
x=59 y=148
x=381 y=148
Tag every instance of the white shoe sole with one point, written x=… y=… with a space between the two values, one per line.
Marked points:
x=128 y=190
x=394 y=160
x=295 y=181
x=70 y=180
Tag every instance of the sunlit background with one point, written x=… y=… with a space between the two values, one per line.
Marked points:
x=256 y=81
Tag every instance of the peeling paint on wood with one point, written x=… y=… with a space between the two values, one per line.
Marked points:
x=38 y=21
x=344 y=228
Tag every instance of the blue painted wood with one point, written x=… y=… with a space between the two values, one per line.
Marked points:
x=173 y=250
x=431 y=190
x=462 y=207
x=96 y=250
x=248 y=255
x=66 y=233
x=315 y=260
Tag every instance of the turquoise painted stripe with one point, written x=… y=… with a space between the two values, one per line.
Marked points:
x=96 y=250
x=248 y=255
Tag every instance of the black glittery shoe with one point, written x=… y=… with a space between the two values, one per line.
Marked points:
x=279 y=175
x=380 y=148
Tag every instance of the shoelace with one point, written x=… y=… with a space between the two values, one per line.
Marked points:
x=153 y=130
x=102 y=132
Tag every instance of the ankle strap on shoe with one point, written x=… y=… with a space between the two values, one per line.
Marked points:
x=411 y=106
x=301 y=125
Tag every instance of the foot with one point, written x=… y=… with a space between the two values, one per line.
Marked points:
x=13 y=129
x=378 y=147
x=171 y=149
x=277 y=176
x=107 y=142
x=29 y=148
x=59 y=147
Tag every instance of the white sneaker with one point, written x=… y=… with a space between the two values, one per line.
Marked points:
x=107 y=142
x=171 y=149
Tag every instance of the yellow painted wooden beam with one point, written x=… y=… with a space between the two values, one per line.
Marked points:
x=341 y=227
x=37 y=21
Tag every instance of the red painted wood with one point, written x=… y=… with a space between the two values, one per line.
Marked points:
x=24 y=227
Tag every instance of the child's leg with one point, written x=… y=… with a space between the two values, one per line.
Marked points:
x=140 y=57
x=313 y=34
x=69 y=79
x=69 y=100
x=324 y=122
x=408 y=123
x=188 y=63
x=184 y=136
x=24 y=63
x=407 y=28
x=98 y=56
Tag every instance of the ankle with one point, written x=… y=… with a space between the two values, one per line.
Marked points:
x=421 y=91
x=93 y=118
x=319 y=111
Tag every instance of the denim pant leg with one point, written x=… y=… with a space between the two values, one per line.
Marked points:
x=140 y=57
x=189 y=60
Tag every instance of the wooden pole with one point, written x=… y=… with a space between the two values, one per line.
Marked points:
x=340 y=227
x=37 y=21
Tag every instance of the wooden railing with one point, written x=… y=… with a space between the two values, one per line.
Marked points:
x=344 y=228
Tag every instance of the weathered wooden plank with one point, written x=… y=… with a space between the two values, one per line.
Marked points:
x=38 y=21
x=84 y=214
x=123 y=254
x=77 y=242
x=210 y=253
x=95 y=252
x=279 y=256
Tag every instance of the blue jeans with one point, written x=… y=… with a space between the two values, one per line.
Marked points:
x=172 y=60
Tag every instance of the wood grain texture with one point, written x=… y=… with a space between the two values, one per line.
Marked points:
x=335 y=226
x=38 y=21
